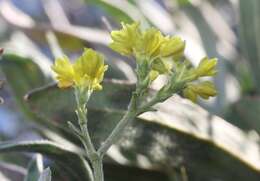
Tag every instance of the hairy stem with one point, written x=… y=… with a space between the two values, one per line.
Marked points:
x=93 y=156
x=119 y=129
x=82 y=119
x=97 y=165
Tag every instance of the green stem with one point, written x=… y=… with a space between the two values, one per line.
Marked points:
x=119 y=129
x=82 y=116
x=129 y=116
x=94 y=157
x=98 y=168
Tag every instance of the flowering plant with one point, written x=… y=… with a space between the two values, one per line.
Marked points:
x=155 y=55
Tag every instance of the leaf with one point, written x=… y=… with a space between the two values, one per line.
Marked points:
x=112 y=10
x=10 y=171
x=249 y=32
x=77 y=167
x=115 y=172
x=71 y=160
x=25 y=74
x=179 y=134
x=245 y=113
x=35 y=168
x=45 y=175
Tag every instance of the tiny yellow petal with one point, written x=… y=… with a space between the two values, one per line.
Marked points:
x=149 y=44
x=89 y=69
x=173 y=46
x=65 y=73
x=124 y=40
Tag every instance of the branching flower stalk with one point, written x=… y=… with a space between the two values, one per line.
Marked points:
x=155 y=55
x=85 y=75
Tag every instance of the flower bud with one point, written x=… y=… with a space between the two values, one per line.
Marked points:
x=207 y=67
x=173 y=46
x=189 y=93
x=204 y=90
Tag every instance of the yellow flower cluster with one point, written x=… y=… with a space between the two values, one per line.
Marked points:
x=163 y=55
x=149 y=45
x=124 y=40
x=206 y=89
x=155 y=54
x=87 y=72
x=130 y=40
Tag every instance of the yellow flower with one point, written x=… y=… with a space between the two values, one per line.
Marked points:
x=150 y=43
x=158 y=54
x=207 y=67
x=172 y=46
x=87 y=72
x=65 y=73
x=146 y=45
x=204 y=89
x=124 y=40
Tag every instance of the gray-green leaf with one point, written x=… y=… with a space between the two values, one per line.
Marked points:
x=77 y=168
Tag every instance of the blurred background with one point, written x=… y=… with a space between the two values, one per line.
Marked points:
x=227 y=29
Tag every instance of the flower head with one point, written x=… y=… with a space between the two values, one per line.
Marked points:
x=124 y=40
x=157 y=54
x=149 y=44
x=149 y=47
x=87 y=72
